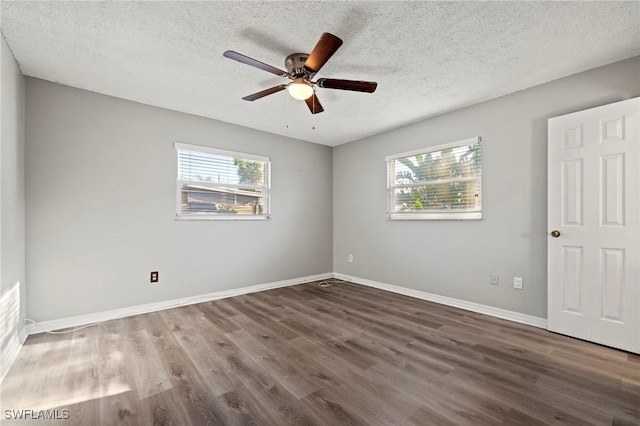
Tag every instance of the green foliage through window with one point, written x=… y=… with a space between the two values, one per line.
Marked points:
x=249 y=171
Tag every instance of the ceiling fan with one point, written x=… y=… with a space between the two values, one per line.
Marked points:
x=301 y=68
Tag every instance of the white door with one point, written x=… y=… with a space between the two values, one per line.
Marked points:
x=594 y=225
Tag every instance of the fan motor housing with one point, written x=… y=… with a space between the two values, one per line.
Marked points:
x=295 y=64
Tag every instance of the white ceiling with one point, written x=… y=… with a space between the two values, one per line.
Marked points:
x=427 y=57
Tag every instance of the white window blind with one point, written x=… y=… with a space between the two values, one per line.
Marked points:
x=218 y=184
x=442 y=182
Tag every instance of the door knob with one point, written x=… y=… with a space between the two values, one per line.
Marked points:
x=555 y=233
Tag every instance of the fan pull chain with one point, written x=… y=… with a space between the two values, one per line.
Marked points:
x=288 y=111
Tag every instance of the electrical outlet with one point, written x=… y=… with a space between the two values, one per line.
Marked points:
x=350 y=258
x=154 y=276
x=495 y=279
x=517 y=283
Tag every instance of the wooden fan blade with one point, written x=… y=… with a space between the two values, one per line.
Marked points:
x=356 y=86
x=265 y=92
x=254 y=63
x=325 y=48
x=314 y=104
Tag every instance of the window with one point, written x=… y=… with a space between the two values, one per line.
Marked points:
x=443 y=182
x=217 y=184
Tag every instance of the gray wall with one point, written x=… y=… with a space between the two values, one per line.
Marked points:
x=456 y=258
x=101 y=203
x=12 y=206
x=101 y=207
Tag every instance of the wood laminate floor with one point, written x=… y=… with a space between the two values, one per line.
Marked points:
x=346 y=354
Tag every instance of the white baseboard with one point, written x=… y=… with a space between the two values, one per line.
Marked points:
x=10 y=352
x=81 y=320
x=450 y=301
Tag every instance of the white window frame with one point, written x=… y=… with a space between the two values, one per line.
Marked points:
x=266 y=188
x=392 y=186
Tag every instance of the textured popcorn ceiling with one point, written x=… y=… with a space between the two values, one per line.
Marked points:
x=427 y=57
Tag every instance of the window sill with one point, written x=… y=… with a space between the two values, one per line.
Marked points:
x=227 y=217
x=434 y=216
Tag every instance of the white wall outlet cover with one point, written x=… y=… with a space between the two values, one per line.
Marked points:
x=517 y=283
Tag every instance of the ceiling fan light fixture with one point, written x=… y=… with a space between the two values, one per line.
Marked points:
x=301 y=68
x=300 y=89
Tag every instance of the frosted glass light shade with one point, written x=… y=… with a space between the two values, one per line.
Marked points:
x=300 y=89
